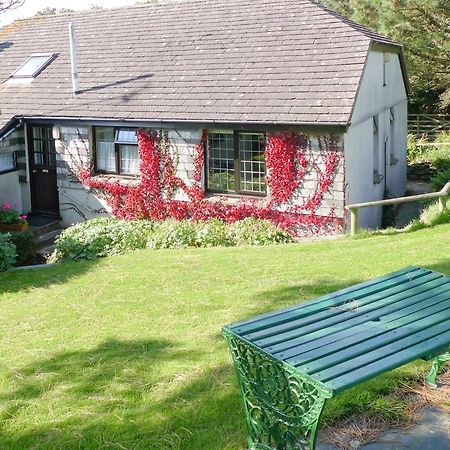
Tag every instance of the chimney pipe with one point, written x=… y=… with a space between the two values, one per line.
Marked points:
x=73 y=59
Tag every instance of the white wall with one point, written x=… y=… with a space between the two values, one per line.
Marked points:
x=12 y=189
x=376 y=100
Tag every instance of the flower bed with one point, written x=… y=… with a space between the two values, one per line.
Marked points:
x=107 y=236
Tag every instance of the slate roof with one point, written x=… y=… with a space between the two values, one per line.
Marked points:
x=263 y=61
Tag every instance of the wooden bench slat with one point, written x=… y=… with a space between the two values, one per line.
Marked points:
x=361 y=348
x=351 y=366
x=380 y=304
x=390 y=362
x=305 y=349
x=287 y=314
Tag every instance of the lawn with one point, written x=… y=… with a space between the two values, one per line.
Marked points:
x=126 y=352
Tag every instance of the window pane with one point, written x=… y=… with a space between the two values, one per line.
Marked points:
x=106 y=156
x=129 y=159
x=7 y=162
x=126 y=136
x=221 y=161
x=105 y=134
x=32 y=65
x=253 y=165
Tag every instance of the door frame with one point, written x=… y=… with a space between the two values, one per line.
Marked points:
x=30 y=151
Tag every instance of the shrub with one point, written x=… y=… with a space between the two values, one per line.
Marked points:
x=173 y=234
x=7 y=252
x=25 y=246
x=106 y=236
x=253 y=231
x=441 y=179
x=431 y=216
x=213 y=233
x=101 y=237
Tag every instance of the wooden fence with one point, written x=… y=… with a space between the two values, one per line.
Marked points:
x=429 y=124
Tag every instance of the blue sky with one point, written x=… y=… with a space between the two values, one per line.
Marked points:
x=32 y=6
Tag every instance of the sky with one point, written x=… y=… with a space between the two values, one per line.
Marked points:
x=32 y=6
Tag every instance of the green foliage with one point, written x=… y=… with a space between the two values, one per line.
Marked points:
x=107 y=236
x=431 y=216
x=436 y=152
x=101 y=237
x=25 y=246
x=7 y=252
x=441 y=179
x=433 y=154
x=253 y=231
x=173 y=234
x=421 y=26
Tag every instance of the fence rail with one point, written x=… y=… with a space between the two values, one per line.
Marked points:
x=441 y=196
x=430 y=124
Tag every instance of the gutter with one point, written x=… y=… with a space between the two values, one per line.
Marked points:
x=9 y=128
x=168 y=123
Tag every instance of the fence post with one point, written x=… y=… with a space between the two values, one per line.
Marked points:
x=353 y=221
x=442 y=203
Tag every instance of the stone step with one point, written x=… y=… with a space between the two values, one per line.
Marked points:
x=42 y=230
x=46 y=250
x=46 y=242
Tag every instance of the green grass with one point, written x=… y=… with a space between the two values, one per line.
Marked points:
x=126 y=352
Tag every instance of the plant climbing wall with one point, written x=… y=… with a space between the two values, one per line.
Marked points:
x=304 y=179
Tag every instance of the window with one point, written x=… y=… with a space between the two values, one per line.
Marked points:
x=236 y=162
x=386 y=61
x=377 y=178
x=34 y=65
x=394 y=160
x=44 y=150
x=7 y=162
x=116 y=151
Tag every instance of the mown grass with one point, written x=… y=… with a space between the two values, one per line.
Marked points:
x=126 y=352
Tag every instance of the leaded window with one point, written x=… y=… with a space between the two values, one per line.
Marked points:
x=235 y=162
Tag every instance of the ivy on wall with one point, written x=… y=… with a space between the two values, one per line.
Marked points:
x=289 y=159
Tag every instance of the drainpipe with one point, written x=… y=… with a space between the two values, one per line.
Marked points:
x=73 y=59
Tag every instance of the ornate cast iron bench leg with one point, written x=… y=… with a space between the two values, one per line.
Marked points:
x=282 y=407
x=436 y=367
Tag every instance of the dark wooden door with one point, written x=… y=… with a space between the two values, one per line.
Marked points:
x=42 y=153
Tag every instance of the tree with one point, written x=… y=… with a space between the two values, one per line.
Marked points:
x=49 y=11
x=10 y=4
x=423 y=28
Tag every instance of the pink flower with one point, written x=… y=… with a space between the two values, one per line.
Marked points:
x=23 y=217
x=6 y=206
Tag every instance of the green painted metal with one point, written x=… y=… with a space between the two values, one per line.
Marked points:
x=289 y=362
x=435 y=368
x=282 y=406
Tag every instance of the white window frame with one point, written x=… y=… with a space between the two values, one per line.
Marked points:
x=48 y=61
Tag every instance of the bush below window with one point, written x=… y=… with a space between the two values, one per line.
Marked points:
x=7 y=252
x=107 y=236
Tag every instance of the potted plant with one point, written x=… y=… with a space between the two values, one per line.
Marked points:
x=11 y=220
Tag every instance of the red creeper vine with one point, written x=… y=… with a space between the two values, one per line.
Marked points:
x=289 y=158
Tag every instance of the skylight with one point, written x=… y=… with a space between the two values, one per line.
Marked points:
x=34 y=65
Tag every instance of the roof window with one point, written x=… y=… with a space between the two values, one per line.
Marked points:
x=34 y=65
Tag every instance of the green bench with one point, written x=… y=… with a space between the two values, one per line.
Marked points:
x=289 y=362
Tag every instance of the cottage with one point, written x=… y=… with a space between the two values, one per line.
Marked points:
x=281 y=103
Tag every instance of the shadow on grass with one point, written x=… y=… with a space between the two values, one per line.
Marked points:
x=122 y=395
x=14 y=281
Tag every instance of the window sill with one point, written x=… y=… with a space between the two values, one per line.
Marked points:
x=233 y=198
x=3 y=172
x=126 y=180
